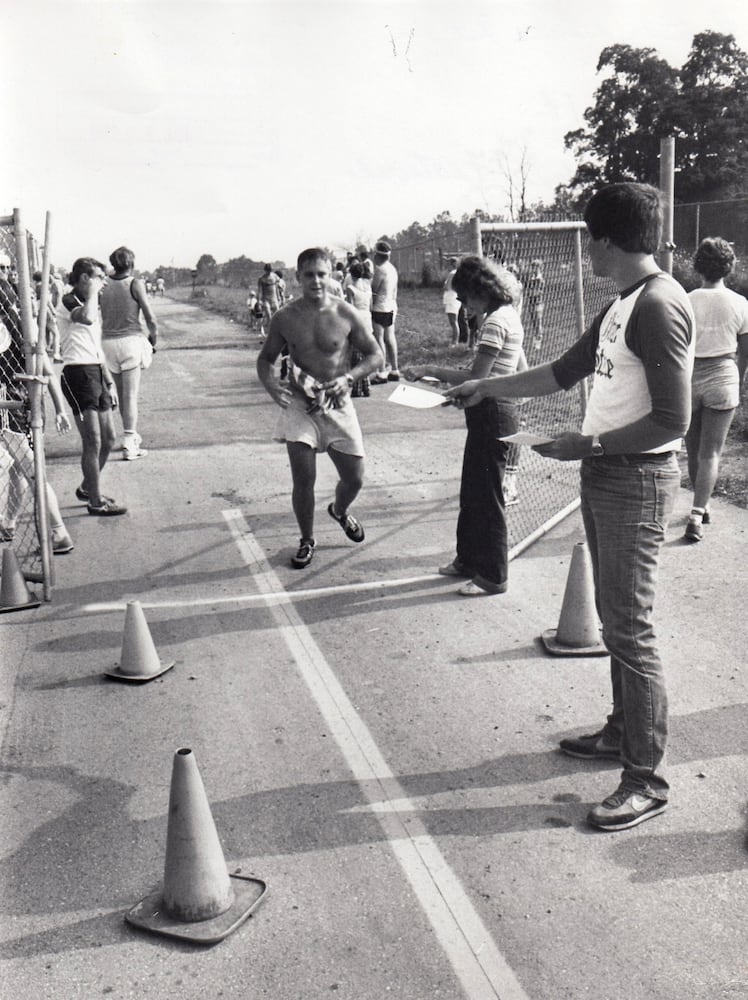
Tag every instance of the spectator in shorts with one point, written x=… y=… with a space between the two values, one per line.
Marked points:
x=126 y=348
x=87 y=382
x=281 y=287
x=451 y=303
x=383 y=311
x=481 y=558
x=268 y=292
x=316 y=412
x=719 y=368
x=358 y=293
x=639 y=351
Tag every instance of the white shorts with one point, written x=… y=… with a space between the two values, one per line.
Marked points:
x=125 y=353
x=336 y=429
x=451 y=302
x=715 y=384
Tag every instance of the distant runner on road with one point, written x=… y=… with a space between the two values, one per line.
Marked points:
x=319 y=330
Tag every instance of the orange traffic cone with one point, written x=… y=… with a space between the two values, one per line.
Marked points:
x=139 y=660
x=578 y=632
x=14 y=594
x=199 y=900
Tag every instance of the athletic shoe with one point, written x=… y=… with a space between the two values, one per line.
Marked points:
x=592 y=747
x=624 y=809
x=693 y=532
x=62 y=544
x=130 y=454
x=454 y=568
x=107 y=508
x=379 y=379
x=305 y=553
x=348 y=523
x=707 y=518
x=473 y=589
x=393 y=376
x=83 y=496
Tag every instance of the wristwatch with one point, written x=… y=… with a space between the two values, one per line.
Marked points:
x=597 y=446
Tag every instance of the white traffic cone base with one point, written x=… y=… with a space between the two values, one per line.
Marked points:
x=120 y=675
x=139 y=660
x=14 y=594
x=552 y=645
x=149 y=914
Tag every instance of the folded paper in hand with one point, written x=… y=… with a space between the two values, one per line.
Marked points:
x=524 y=437
x=419 y=399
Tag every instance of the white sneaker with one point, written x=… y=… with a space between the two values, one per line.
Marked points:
x=131 y=448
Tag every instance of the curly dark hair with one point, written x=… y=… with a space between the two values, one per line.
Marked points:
x=714 y=259
x=479 y=277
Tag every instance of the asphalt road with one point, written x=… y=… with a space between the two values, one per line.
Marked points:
x=380 y=750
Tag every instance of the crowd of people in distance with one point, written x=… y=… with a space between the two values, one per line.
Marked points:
x=94 y=330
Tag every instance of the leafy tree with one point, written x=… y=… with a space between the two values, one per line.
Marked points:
x=633 y=109
x=712 y=150
x=206 y=270
x=642 y=100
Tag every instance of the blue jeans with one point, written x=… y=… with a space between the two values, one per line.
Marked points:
x=481 y=525
x=626 y=504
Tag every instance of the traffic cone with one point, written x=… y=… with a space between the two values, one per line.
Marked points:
x=199 y=900
x=139 y=660
x=14 y=594
x=578 y=632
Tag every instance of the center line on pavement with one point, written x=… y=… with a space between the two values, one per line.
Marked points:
x=479 y=965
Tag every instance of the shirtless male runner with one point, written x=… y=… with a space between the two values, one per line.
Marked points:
x=316 y=413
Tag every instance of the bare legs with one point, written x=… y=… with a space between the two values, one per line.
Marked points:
x=303 y=460
x=97 y=436
x=704 y=441
x=128 y=390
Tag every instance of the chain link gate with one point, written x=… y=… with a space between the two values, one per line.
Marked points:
x=560 y=295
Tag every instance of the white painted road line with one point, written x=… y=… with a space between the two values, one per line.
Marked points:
x=281 y=597
x=479 y=965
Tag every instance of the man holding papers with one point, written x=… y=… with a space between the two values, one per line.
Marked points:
x=639 y=351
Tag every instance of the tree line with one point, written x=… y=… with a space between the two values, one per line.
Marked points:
x=640 y=100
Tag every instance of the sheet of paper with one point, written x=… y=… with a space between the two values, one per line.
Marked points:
x=419 y=399
x=524 y=437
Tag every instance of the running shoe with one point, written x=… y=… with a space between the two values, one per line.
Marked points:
x=305 y=553
x=694 y=531
x=62 y=544
x=348 y=523
x=590 y=747
x=624 y=809
x=107 y=508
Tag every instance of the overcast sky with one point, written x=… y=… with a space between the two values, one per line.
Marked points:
x=260 y=127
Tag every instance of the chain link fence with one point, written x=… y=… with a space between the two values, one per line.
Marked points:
x=22 y=503
x=694 y=222
x=425 y=262
x=560 y=295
